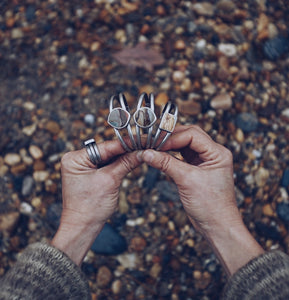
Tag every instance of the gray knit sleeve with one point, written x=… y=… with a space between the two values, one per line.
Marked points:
x=265 y=277
x=44 y=272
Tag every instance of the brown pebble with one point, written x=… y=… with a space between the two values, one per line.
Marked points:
x=35 y=152
x=12 y=159
x=189 y=107
x=180 y=45
x=222 y=101
x=103 y=276
x=52 y=127
x=161 y=99
x=8 y=221
x=137 y=244
x=268 y=210
x=135 y=195
x=155 y=270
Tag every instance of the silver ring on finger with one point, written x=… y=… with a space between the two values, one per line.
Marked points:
x=92 y=151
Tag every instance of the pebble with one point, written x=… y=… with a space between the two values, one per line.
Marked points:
x=17 y=33
x=274 y=48
x=40 y=176
x=129 y=260
x=26 y=208
x=168 y=190
x=12 y=159
x=248 y=122
x=137 y=244
x=155 y=270
x=178 y=76
x=52 y=127
x=103 y=276
x=27 y=186
x=222 y=101
x=282 y=211
x=161 y=99
x=285 y=178
x=109 y=242
x=8 y=221
x=189 y=107
x=261 y=176
x=203 y=8
x=35 y=152
x=268 y=210
x=116 y=287
x=228 y=49
x=89 y=119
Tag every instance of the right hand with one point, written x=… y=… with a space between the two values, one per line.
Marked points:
x=204 y=180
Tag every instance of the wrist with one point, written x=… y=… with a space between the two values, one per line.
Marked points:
x=75 y=239
x=233 y=244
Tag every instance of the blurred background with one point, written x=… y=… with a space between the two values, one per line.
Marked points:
x=225 y=63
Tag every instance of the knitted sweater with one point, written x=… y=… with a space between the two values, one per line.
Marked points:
x=43 y=272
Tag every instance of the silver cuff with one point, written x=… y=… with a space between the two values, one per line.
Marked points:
x=167 y=124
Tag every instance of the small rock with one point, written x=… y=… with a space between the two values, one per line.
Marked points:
x=161 y=99
x=239 y=136
x=89 y=119
x=17 y=33
x=274 y=48
x=129 y=260
x=27 y=186
x=109 y=242
x=137 y=244
x=261 y=176
x=180 y=45
x=186 y=85
x=29 y=130
x=8 y=221
x=40 y=176
x=283 y=211
x=52 y=127
x=26 y=208
x=155 y=270
x=285 y=178
x=204 y=9
x=228 y=49
x=12 y=159
x=151 y=178
x=201 y=44
x=178 y=76
x=35 y=152
x=268 y=210
x=247 y=122
x=103 y=276
x=135 y=195
x=189 y=107
x=53 y=213
x=123 y=205
x=222 y=101
x=116 y=287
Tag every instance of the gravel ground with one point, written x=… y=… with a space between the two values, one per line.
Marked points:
x=225 y=63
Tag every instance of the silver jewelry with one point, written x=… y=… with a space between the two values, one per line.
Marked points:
x=144 y=117
x=119 y=118
x=167 y=124
x=92 y=151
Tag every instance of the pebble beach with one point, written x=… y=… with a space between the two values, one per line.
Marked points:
x=225 y=64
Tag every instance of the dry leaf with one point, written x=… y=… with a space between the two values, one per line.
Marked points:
x=139 y=56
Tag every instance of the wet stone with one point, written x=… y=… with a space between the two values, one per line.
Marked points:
x=27 y=186
x=118 y=118
x=283 y=211
x=247 y=122
x=285 y=178
x=109 y=242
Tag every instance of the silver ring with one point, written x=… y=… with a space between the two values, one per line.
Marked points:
x=167 y=124
x=92 y=151
x=144 y=117
x=119 y=118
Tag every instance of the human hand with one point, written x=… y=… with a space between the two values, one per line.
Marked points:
x=206 y=187
x=90 y=195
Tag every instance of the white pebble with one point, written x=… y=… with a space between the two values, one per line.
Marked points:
x=25 y=208
x=228 y=49
x=201 y=44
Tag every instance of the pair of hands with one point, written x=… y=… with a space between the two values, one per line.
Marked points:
x=204 y=180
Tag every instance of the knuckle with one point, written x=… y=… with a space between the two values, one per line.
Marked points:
x=165 y=163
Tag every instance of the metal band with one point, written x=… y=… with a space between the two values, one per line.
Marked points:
x=92 y=151
x=121 y=116
x=167 y=124
x=144 y=117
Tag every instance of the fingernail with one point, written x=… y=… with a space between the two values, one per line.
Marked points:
x=139 y=156
x=148 y=156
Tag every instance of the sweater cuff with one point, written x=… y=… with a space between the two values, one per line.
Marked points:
x=44 y=272
x=264 y=277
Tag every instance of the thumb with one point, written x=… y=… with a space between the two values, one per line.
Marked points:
x=123 y=165
x=165 y=163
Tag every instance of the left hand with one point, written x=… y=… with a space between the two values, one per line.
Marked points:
x=90 y=195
